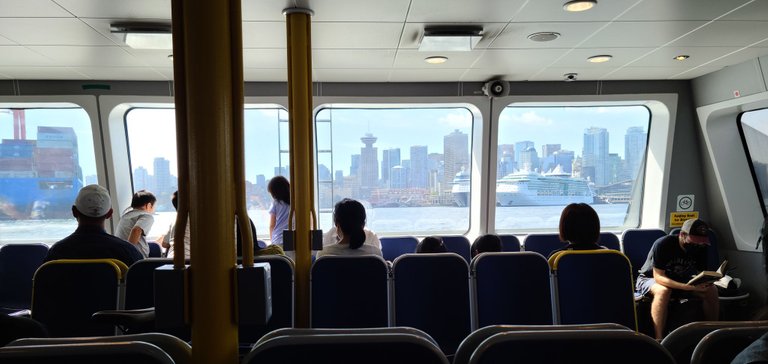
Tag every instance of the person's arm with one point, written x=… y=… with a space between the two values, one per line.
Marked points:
x=272 y=222
x=135 y=235
x=661 y=278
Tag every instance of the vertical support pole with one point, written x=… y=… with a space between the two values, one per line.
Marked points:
x=302 y=146
x=182 y=152
x=210 y=107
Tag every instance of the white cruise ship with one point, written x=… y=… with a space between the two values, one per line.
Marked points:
x=535 y=189
x=460 y=189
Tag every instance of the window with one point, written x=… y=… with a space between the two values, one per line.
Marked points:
x=408 y=165
x=551 y=156
x=753 y=126
x=46 y=156
x=153 y=159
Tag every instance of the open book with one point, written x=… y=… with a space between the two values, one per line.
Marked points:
x=709 y=276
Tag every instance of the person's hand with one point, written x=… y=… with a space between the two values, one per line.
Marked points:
x=161 y=240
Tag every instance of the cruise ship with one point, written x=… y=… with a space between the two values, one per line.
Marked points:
x=535 y=189
x=460 y=189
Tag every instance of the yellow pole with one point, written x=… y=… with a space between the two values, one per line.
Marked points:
x=210 y=108
x=301 y=144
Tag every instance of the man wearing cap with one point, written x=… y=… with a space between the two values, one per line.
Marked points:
x=90 y=241
x=672 y=262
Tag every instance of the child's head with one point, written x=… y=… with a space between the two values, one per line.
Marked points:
x=141 y=198
x=431 y=244
x=486 y=244
x=280 y=189
x=579 y=224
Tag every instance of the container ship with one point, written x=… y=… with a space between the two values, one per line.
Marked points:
x=39 y=179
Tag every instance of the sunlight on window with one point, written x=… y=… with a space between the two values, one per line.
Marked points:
x=754 y=131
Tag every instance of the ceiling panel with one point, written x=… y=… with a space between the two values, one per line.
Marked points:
x=755 y=10
x=557 y=74
x=652 y=73
x=6 y=41
x=355 y=35
x=42 y=73
x=640 y=34
x=462 y=11
x=552 y=11
x=74 y=56
x=660 y=10
x=131 y=9
x=350 y=75
x=360 y=10
x=22 y=56
x=508 y=61
x=121 y=73
x=664 y=57
x=422 y=75
x=151 y=57
x=415 y=59
x=726 y=34
x=264 y=35
x=357 y=58
x=265 y=75
x=50 y=31
x=739 y=56
x=265 y=58
x=32 y=9
x=571 y=34
x=577 y=58
x=264 y=10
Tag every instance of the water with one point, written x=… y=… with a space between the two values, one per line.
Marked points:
x=384 y=221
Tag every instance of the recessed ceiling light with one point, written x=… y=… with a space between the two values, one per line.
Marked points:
x=600 y=59
x=579 y=5
x=544 y=36
x=436 y=59
x=682 y=57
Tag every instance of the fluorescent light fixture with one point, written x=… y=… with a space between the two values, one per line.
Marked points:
x=600 y=59
x=450 y=39
x=145 y=35
x=579 y=5
x=436 y=59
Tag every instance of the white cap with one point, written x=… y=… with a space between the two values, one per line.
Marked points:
x=93 y=201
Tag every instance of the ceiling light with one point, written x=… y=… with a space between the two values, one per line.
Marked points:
x=436 y=59
x=682 y=57
x=450 y=39
x=600 y=59
x=145 y=35
x=544 y=36
x=579 y=5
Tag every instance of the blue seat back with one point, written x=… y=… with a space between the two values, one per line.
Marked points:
x=393 y=247
x=511 y=288
x=610 y=241
x=122 y=352
x=571 y=346
x=509 y=243
x=543 y=244
x=66 y=293
x=18 y=263
x=154 y=250
x=282 y=275
x=140 y=283
x=593 y=286
x=458 y=244
x=349 y=291
x=636 y=243
x=431 y=293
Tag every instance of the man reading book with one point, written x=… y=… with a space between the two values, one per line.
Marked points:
x=671 y=263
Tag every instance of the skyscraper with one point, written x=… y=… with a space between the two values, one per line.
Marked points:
x=548 y=149
x=141 y=179
x=389 y=159
x=354 y=164
x=564 y=159
x=529 y=160
x=162 y=176
x=505 y=155
x=419 y=171
x=595 y=154
x=369 y=163
x=455 y=156
x=519 y=148
x=634 y=149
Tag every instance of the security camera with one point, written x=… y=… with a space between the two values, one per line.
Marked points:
x=568 y=77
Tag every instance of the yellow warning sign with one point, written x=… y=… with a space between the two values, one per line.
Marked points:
x=676 y=219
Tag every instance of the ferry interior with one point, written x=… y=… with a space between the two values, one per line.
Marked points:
x=451 y=118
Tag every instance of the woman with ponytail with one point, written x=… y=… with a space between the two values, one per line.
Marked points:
x=349 y=236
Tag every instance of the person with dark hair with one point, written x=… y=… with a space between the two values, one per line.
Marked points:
x=671 y=263
x=488 y=243
x=90 y=241
x=431 y=244
x=170 y=238
x=137 y=221
x=352 y=238
x=280 y=189
x=579 y=228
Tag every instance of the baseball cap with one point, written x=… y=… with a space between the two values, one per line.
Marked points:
x=697 y=230
x=93 y=201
